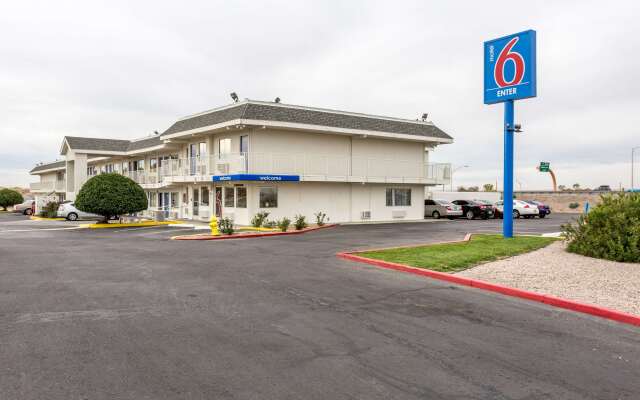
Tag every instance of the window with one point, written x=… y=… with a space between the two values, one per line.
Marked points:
x=141 y=165
x=224 y=146
x=244 y=144
x=152 y=199
x=202 y=149
x=205 y=196
x=268 y=197
x=153 y=164
x=60 y=176
x=398 y=197
x=429 y=203
x=91 y=170
x=229 y=197
x=108 y=168
x=125 y=167
x=241 y=197
x=174 y=199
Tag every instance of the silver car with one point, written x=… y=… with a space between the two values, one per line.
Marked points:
x=25 y=208
x=441 y=208
x=69 y=211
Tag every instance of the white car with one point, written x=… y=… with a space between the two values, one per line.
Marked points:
x=520 y=209
x=70 y=212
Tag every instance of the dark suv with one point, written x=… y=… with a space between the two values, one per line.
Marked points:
x=474 y=209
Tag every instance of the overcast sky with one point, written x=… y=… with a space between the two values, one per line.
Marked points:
x=123 y=69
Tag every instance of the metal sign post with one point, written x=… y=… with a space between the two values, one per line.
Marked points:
x=509 y=75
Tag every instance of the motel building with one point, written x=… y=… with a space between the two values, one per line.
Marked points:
x=253 y=156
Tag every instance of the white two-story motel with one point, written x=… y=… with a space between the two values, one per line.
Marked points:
x=254 y=156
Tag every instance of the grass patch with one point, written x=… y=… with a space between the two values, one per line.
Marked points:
x=453 y=257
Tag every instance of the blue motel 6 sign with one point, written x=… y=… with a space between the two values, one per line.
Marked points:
x=509 y=74
x=510 y=67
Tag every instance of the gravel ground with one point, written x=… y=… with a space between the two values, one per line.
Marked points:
x=554 y=271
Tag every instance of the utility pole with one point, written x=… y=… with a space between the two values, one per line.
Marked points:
x=633 y=149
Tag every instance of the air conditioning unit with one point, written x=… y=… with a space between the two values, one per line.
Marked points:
x=365 y=215
x=398 y=214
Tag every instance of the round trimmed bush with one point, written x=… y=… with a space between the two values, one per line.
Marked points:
x=9 y=198
x=611 y=230
x=111 y=195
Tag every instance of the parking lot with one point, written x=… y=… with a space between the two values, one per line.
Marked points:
x=129 y=314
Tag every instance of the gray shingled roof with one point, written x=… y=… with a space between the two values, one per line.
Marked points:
x=84 y=143
x=292 y=114
x=144 y=143
x=51 y=165
x=96 y=144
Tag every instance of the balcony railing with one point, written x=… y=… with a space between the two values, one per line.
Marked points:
x=310 y=165
x=51 y=186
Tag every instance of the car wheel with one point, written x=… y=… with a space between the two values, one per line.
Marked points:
x=28 y=211
x=516 y=214
x=72 y=216
x=469 y=214
x=436 y=215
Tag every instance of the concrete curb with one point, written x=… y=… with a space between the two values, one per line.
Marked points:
x=250 y=236
x=127 y=225
x=492 y=287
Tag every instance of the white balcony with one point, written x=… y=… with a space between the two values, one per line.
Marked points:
x=48 y=187
x=310 y=167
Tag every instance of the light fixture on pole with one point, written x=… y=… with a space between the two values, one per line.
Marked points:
x=454 y=170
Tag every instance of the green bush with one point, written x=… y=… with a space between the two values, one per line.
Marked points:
x=258 y=220
x=284 y=223
x=269 y=224
x=573 y=206
x=320 y=218
x=111 y=195
x=9 y=198
x=301 y=222
x=611 y=230
x=50 y=210
x=226 y=226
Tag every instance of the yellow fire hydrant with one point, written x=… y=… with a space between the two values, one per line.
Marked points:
x=213 y=224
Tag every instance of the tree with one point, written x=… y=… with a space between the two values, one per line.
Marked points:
x=576 y=186
x=473 y=189
x=562 y=188
x=488 y=187
x=9 y=198
x=111 y=195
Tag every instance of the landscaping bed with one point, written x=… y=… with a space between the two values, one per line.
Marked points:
x=556 y=272
x=457 y=256
x=249 y=232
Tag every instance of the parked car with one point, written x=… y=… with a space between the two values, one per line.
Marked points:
x=69 y=211
x=603 y=188
x=25 y=208
x=520 y=209
x=441 y=208
x=474 y=209
x=543 y=209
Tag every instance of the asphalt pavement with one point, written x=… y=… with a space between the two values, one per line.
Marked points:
x=128 y=314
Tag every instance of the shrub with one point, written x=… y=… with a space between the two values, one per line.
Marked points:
x=301 y=222
x=610 y=231
x=9 y=198
x=320 y=217
x=284 y=223
x=259 y=219
x=110 y=195
x=50 y=210
x=225 y=225
x=269 y=224
x=573 y=206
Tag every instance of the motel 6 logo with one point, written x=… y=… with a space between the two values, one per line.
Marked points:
x=510 y=67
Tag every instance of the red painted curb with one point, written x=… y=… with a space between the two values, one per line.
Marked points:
x=509 y=291
x=256 y=235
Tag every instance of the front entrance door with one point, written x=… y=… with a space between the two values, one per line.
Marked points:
x=193 y=155
x=218 y=202
x=196 y=201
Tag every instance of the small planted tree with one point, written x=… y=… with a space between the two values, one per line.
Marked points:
x=9 y=198
x=111 y=195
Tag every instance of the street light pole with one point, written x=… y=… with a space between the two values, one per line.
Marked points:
x=454 y=170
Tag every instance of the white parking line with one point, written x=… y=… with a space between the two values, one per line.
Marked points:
x=38 y=230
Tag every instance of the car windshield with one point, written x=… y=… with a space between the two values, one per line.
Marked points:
x=442 y=202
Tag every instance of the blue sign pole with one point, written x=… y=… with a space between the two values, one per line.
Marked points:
x=509 y=74
x=507 y=217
